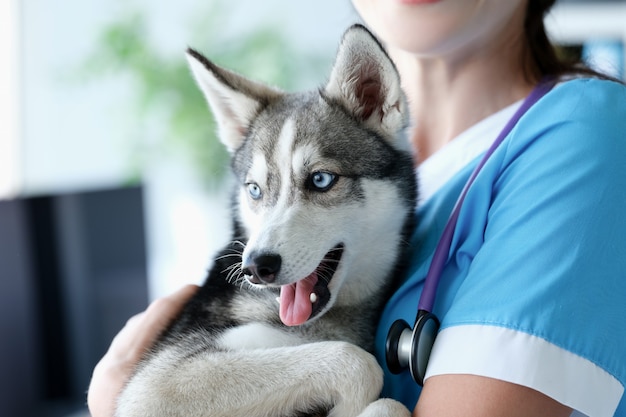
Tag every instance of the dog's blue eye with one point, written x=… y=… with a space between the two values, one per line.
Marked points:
x=322 y=181
x=254 y=190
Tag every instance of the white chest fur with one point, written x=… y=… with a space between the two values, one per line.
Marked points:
x=257 y=336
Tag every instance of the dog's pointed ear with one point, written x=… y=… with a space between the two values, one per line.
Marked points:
x=365 y=81
x=234 y=100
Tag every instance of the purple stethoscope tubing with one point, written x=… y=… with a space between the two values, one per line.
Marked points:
x=427 y=298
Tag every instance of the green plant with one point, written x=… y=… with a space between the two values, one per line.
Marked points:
x=164 y=90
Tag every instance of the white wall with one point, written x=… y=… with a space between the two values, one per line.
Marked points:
x=9 y=99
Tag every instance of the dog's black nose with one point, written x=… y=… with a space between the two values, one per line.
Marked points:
x=262 y=269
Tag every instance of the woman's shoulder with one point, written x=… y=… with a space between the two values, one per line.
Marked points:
x=575 y=137
x=581 y=117
x=589 y=99
x=590 y=85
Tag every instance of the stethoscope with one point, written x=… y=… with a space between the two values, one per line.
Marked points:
x=411 y=348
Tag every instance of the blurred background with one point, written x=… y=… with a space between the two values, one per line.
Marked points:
x=113 y=186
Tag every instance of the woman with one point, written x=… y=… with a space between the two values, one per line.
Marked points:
x=532 y=290
x=532 y=294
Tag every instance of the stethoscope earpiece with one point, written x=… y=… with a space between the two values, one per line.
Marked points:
x=410 y=348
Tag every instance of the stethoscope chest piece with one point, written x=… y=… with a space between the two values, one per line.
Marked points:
x=410 y=348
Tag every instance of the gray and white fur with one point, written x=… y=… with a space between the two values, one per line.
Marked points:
x=323 y=208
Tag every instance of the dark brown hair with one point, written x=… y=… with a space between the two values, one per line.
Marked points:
x=545 y=60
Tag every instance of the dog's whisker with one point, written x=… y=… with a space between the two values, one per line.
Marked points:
x=234 y=273
x=228 y=255
x=324 y=270
x=232 y=267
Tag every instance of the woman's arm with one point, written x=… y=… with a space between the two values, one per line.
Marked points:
x=471 y=395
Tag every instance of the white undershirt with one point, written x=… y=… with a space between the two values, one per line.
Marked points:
x=435 y=171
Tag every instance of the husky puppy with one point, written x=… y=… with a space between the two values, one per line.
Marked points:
x=285 y=322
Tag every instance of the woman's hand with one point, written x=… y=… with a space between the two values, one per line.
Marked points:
x=116 y=366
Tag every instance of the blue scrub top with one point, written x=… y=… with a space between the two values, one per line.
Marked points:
x=538 y=256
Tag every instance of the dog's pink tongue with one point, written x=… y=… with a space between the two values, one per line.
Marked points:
x=295 y=301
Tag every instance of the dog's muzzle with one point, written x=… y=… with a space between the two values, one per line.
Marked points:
x=263 y=269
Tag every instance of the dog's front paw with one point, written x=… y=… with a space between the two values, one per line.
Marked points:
x=146 y=394
x=136 y=400
x=385 y=407
x=359 y=380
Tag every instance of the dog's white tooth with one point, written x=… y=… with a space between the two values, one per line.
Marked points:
x=313 y=297
x=278 y=300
